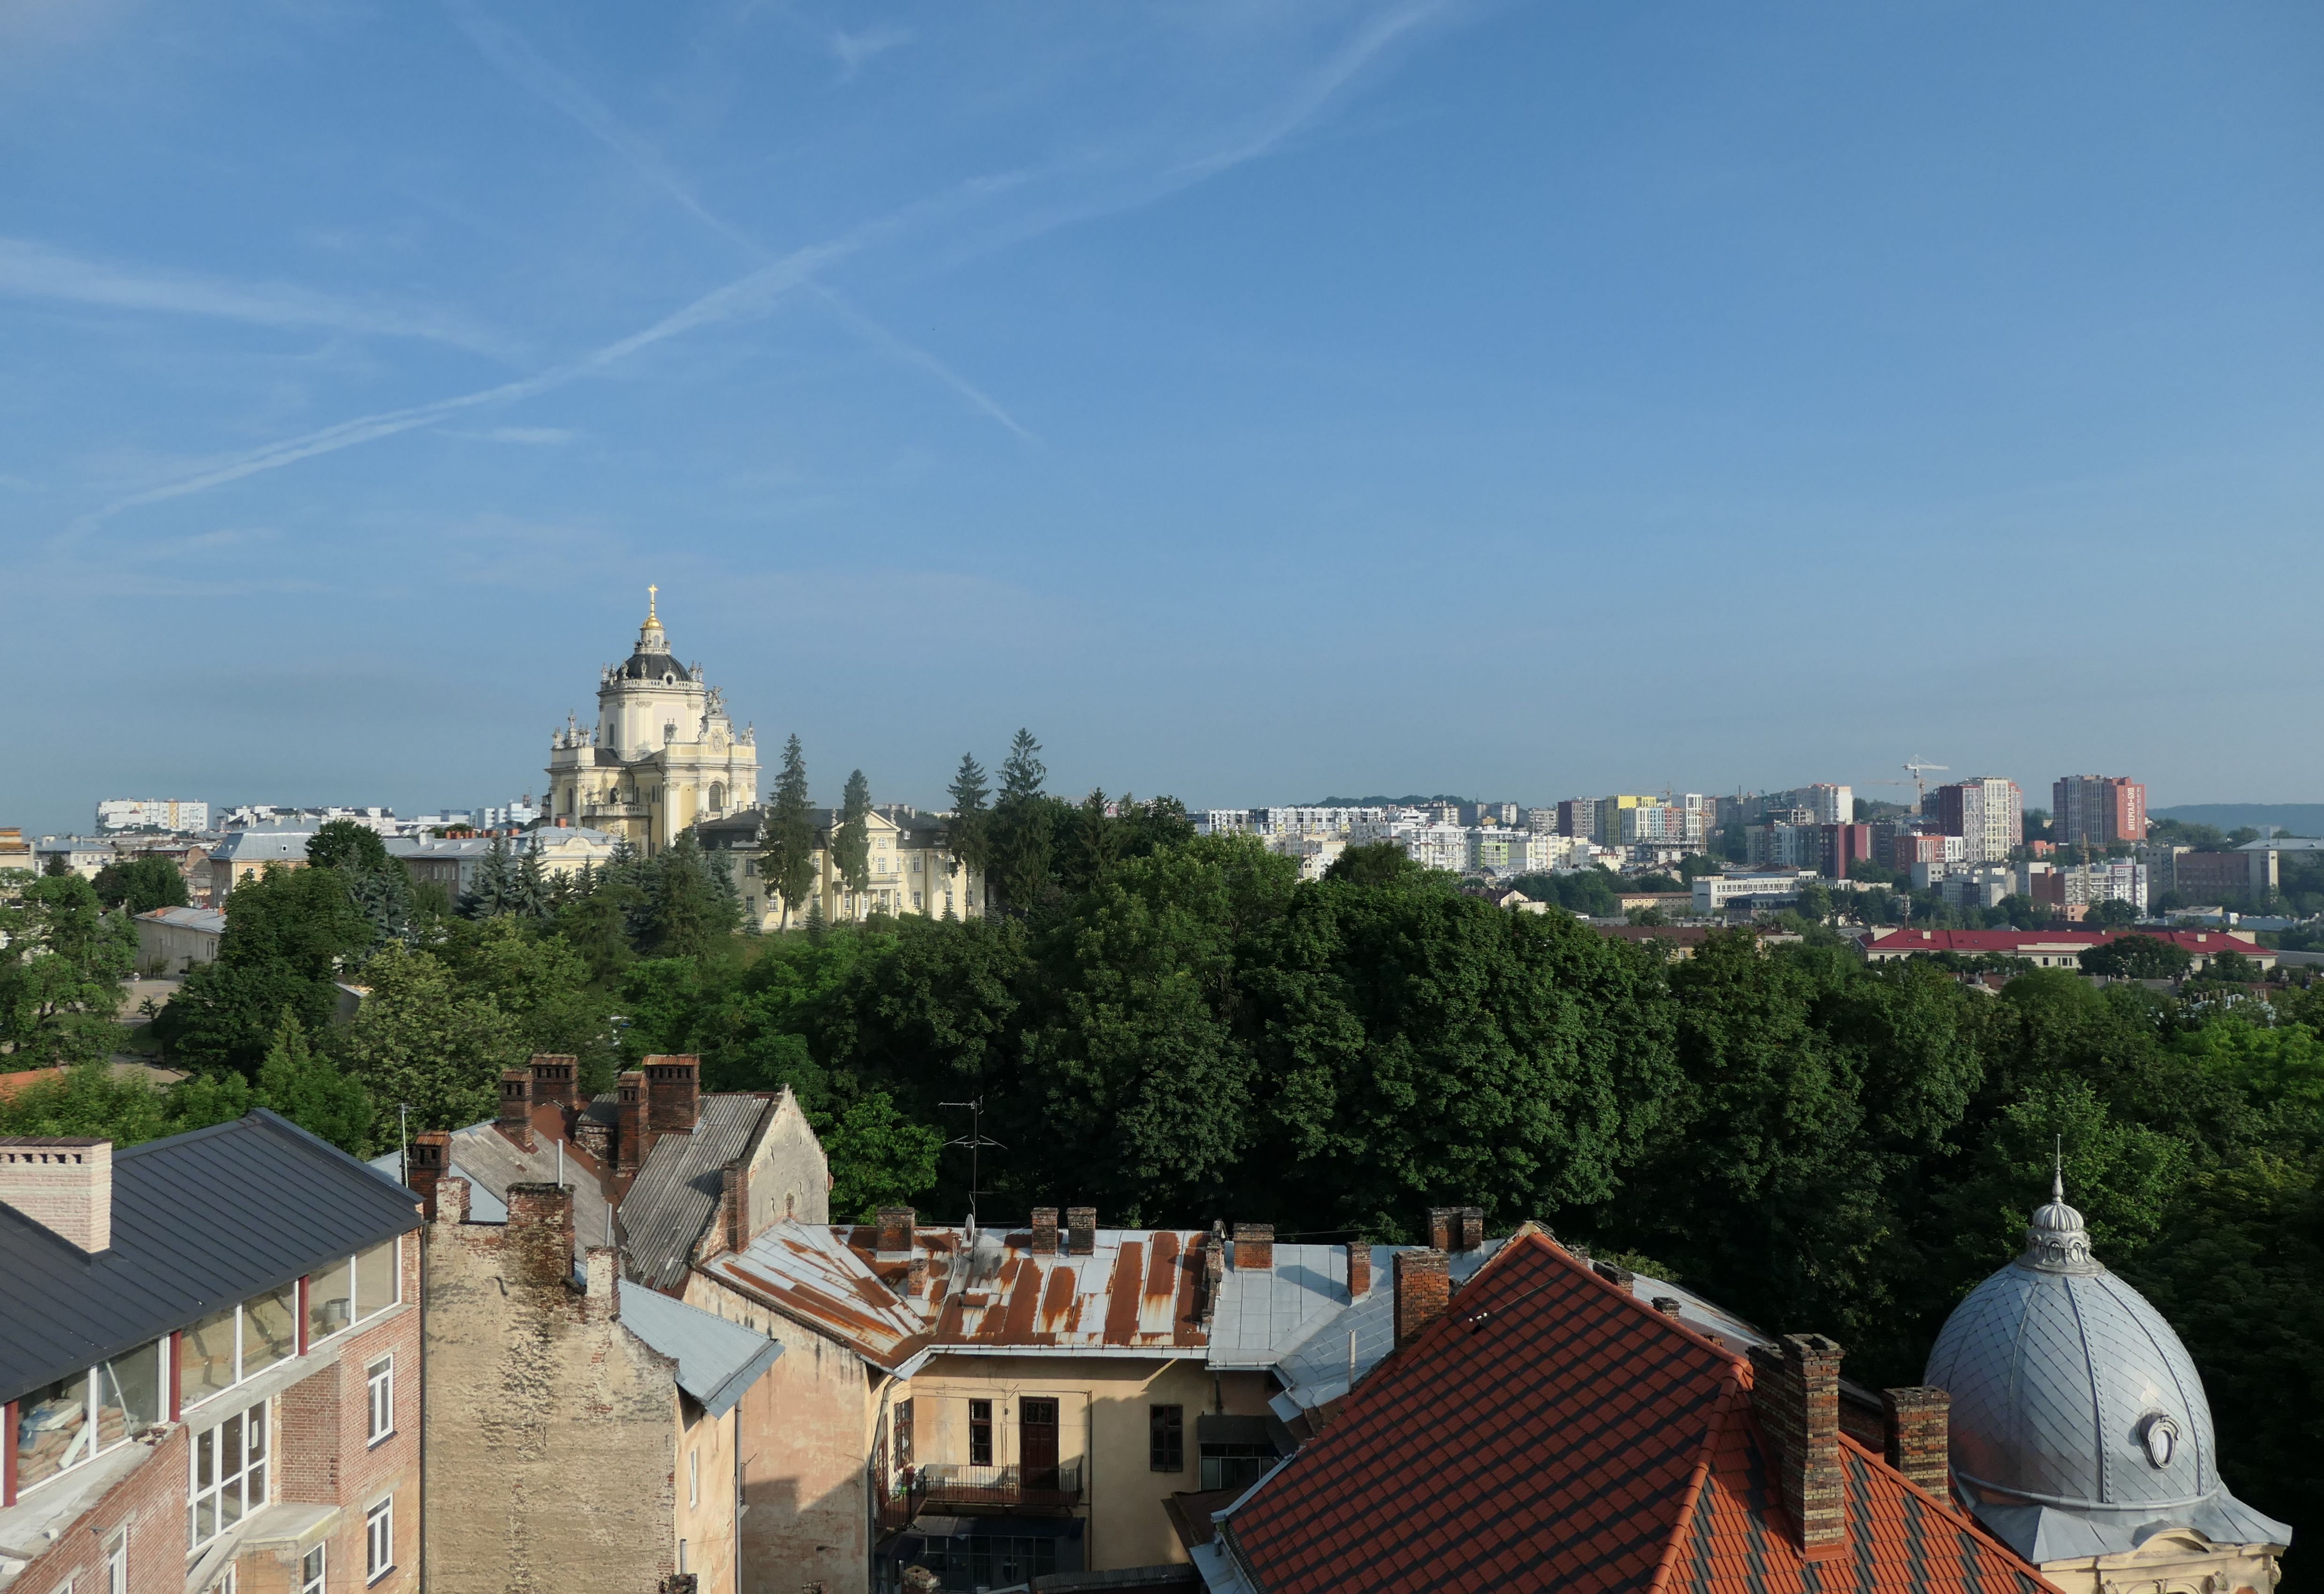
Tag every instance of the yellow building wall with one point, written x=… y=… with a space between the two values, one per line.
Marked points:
x=704 y=1487
x=1103 y=1421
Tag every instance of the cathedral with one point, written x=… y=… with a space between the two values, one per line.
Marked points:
x=661 y=757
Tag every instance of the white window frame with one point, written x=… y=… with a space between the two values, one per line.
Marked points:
x=314 y=1569
x=116 y=1563
x=356 y=1316
x=379 y=1540
x=693 y=1482
x=91 y=1445
x=240 y=1477
x=379 y=1386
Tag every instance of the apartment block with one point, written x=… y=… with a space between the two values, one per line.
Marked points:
x=209 y=1356
x=2097 y=810
x=1987 y=812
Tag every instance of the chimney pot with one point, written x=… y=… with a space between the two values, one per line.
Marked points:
x=1919 y=1437
x=1045 y=1231
x=1666 y=1304
x=425 y=1163
x=630 y=1136
x=1080 y=1231
x=1611 y=1274
x=1470 y=1223
x=63 y=1183
x=895 y=1230
x=555 y=1081
x=516 y=1106
x=1441 y=1223
x=672 y=1093
x=1254 y=1247
x=538 y=1236
x=1796 y=1391
x=1423 y=1288
x=1360 y=1268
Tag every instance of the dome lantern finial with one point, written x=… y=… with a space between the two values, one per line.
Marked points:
x=652 y=594
x=2056 y=1240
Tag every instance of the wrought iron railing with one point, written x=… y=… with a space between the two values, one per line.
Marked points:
x=959 y=1483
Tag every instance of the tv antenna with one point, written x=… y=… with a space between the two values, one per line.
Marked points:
x=975 y=1140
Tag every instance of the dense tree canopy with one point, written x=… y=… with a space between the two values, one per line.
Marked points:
x=62 y=959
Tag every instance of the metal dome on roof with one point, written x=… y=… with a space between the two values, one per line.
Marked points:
x=2079 y=1425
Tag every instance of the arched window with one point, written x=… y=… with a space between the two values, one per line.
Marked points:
x=717 y=794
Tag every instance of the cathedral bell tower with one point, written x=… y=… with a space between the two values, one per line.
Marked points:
x=662 y=755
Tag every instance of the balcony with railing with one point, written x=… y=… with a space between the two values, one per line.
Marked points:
x=957 y=1483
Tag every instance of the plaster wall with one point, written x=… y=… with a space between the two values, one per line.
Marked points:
x=551 y=1449
x=704 y=1492
x=806 y=1436
x=789 y=1177
x=2172 y=1564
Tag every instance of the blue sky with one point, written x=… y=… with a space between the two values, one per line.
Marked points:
x=1259 y=400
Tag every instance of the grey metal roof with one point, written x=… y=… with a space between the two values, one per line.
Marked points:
x=263 y=843
x=2057 y=1369
x=199 y=1221
x=677 y=1190
x=491 y=1162
x=212 y=919
x=483 y=1206
x=717 y=1359
x=1316 y=1369
x=1264 y=1312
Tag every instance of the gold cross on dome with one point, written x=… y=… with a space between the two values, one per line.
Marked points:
x=650 y=592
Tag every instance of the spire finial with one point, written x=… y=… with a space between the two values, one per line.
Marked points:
x=651 y=593
x=2058 y=1176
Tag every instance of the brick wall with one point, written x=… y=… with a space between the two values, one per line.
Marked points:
x=151 y=1504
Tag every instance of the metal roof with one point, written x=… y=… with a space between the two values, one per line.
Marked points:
x=807 y=1272
x=491 y=1162
x=263 y=843
x=677 y=1189
x=1135 y=1292
x=483 y=1205
x=200 y=1221
x=212 y=919
x=1318 y=1368
x=1263 y=1313
x=717 y=1360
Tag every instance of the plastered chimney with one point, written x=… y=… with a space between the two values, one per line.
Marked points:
x=538 y=1239
x=62 y=1183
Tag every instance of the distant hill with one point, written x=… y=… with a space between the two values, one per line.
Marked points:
x=2296 y=818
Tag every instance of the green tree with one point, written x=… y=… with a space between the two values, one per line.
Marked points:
x=290 y=935
x=62 y=960
x=1815 y=902
x=2235 y=967
x=691 y=905
x=1023 y=830
x=311 y=1091
x=878 y=1157
x=851 y=834
x=418 y=1041
x=345 y=845
x=1374 y=863
x=967 y=835
x=496 y=889
x=2112 y=916
x=2137 y=957
x=141 y=885
x=787 y=848
x=376 y=883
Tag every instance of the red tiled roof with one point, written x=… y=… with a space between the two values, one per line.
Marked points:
x=2200 y=942
x=1577 y=1439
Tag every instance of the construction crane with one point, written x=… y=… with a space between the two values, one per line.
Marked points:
x=1914 y=768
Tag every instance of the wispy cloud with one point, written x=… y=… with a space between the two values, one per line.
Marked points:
x=545 y=436
x=759 y=291
x=854 y=49
x=896 y=349
x=30 y=270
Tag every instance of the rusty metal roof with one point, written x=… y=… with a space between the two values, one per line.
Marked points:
x=1136 y=1292
x=805 y=1271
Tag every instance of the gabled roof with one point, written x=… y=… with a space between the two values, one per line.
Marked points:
x=805 y=1271
x=717 y=1360
x=1553 y=1431
x=678 y=1187
x=200 y=1221
x=491 y=1162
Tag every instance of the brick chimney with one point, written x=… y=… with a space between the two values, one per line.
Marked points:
x=537 y=1242
x=734 y=1202
x=1045 y=1231
x=895 y=1230
x=1919 y=1437
x=557 y=1081
x=1442 y=1221
x=1667 y=1306
x=424 y=1163
x=672 y=1094
x=630 y=1149
x=1796 y=1391
x=1254 y=1247
x=516 y=1106
x=1471 y=1225
x=63 y=1183
x=1424 y=1287
x=1360 y=1268
x=1080 y=1231
x=451 y=1200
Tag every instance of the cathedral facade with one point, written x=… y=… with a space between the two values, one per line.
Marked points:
x=662 y=755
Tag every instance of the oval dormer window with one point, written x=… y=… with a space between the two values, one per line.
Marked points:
x=2160 y=1437
x=669 y=680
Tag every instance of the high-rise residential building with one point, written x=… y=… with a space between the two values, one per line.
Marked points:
x=1578 y=817
x=153 y=813
x=1987 y=812
x=2097 y=810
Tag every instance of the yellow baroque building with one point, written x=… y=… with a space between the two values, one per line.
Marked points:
x=662 y=757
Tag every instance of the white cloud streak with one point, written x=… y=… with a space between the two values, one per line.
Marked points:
x=854 y=49
x=29 y=270
x=758 y=292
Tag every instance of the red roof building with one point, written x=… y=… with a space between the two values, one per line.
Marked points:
x=2057 y=949
x=1549 y=1430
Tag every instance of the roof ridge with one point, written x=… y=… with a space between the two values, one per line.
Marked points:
x=1682 y=1526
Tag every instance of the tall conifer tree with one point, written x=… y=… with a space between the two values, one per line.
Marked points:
x=787 y=858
